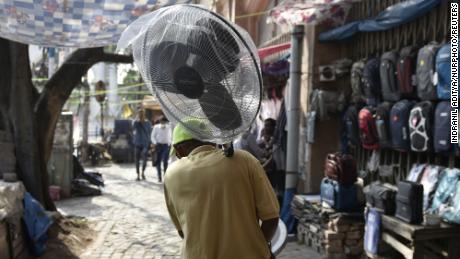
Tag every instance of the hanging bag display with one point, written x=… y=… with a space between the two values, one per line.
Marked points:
x=388 y=71
x=367 y=130
x=452 y=212
x=371 y=80
x=441 y=135
x=406 y=68
x=351 y=126
x=382 y=124
x=426 y=89
x=443 y=71
x=399 y=117
x=420 y=127
x=409 y=202
x=429 y=180
x=357 y=85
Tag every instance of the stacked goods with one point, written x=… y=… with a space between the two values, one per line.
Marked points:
x=336 y=235
x=344 y=238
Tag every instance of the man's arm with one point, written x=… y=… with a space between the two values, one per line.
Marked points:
x=269 y=228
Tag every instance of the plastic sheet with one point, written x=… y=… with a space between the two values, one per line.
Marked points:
x=71 y=23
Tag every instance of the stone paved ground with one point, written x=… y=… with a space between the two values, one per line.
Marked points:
x=133 y=221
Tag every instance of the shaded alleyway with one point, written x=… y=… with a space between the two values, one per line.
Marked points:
x=133 y=221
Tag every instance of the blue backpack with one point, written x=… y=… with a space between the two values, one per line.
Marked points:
x=441 y=134
x=371 y=82
x=443 y=72
x=399 y=125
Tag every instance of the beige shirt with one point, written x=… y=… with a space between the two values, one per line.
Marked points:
x=217 y=203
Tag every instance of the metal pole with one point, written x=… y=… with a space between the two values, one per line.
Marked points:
x=293 y=111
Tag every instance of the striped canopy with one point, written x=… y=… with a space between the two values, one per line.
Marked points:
x=71 y=23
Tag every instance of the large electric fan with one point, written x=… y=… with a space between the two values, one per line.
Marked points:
x=201 y=67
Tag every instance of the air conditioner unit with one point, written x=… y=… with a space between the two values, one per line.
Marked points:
x=326 y=73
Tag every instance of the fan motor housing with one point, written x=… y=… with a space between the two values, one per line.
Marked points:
x=189 y=82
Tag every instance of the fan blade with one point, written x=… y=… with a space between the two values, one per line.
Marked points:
x=171 y=73
x=218 y=105
x=217 y=49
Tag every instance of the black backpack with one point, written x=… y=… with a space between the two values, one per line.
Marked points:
x=356 y=80
x=441 y=134
x=351 y=126
x=371 y=80
x=388 y=70
x=426 y=67
x=420 y=127
x=382 y=124
x=399 y=118
x=406 y=65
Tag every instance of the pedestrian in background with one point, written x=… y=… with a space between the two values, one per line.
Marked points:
x=216 y=202
x=142 y=130
x=161 y=138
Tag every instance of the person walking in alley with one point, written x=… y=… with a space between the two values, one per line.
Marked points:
x=161 y=138
x=142 y=129
x=216 y=202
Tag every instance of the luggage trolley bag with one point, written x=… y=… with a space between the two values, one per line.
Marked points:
x=399 y=118
x=390 y=89
x=443 y=76
x=406 y=69
x=441 y=134
x=338 y=196
x=420 y=127
x=409 y=202
x=382 y=124
x=367 y=130
x=426 y=89
x=371 y=82
x=373 y=231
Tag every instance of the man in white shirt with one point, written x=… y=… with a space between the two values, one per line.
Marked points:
x=161 y=138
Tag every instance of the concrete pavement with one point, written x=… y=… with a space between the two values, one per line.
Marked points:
x=133 y=221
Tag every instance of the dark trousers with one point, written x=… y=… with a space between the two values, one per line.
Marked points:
x=162 y=157
x=140 y=152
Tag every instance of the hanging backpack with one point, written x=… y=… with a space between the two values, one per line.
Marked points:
x=371 y=80
x=446 y=187
x=420 y=127
x=351 y=126
x=367 y=130
x=399 y=118
x=441 y=135
x=443 y=72
x=406 y=71
x=357 y=85
x=388 y=70
x=382 y=124
x=426 y=90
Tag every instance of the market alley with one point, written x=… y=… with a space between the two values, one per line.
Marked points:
x=132 y=219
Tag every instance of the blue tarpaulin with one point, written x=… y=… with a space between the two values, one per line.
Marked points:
x=393 y=16
x=37 y=224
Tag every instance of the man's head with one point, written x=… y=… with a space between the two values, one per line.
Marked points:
x=141 y=114
x=163 y=120
x=183 y=140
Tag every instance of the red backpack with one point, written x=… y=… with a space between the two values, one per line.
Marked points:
x=341 y=168
x=367 y=129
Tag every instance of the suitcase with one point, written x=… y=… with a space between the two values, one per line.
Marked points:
x=409 y=202
x=381 y=198
x=372 y=234
x=338 y=196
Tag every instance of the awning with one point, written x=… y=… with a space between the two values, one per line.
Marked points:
x=264 y=52
x=327 y=12
x=149 y=102
x=71 y=23
x=391 y=17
